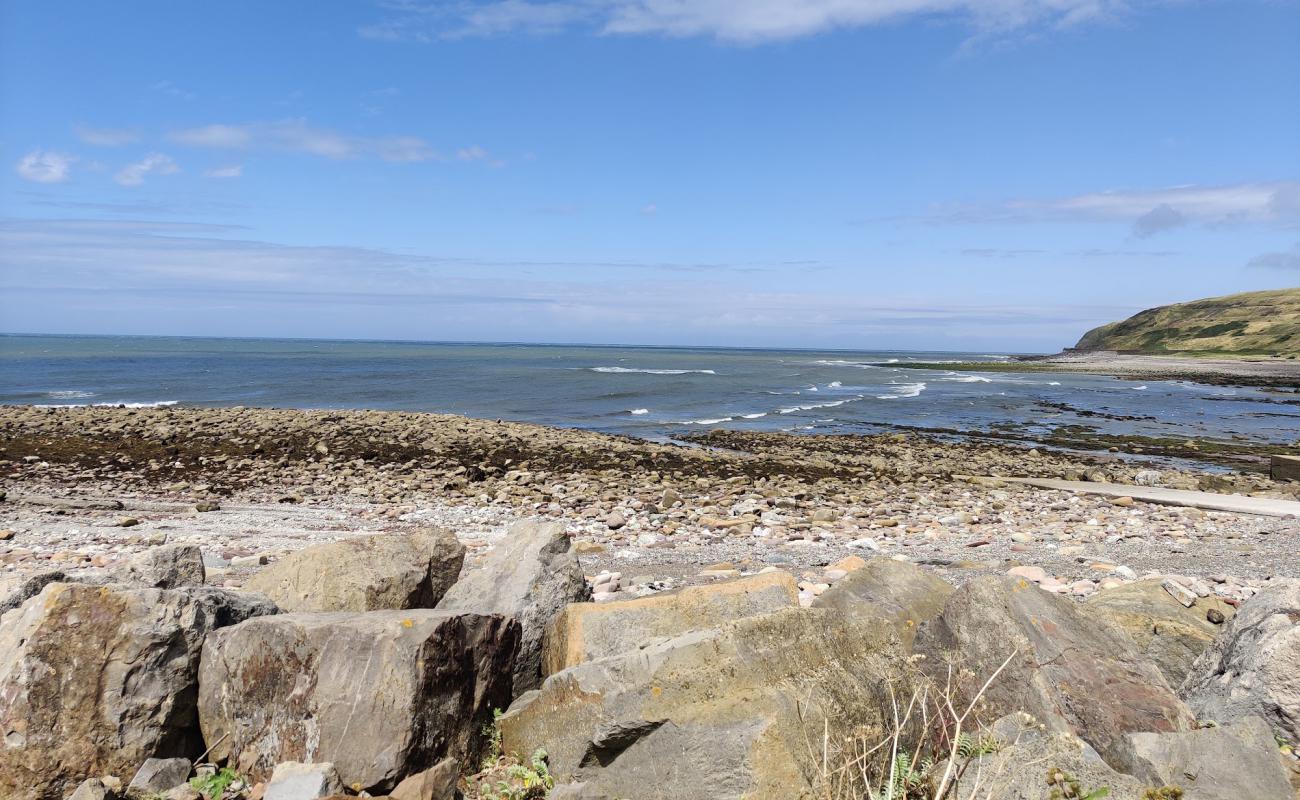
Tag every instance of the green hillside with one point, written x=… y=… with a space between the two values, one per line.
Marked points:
x=1249 y=324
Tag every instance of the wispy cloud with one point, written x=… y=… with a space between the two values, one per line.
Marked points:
x=154 y=163
x=106 y=137
x=296 y=135
x=743 y=21
x=234 y=171
x=1286 y=259
x=45 y=261
x=649 y=209
x=172 y=90
x=1147 y=211
x=45 y=166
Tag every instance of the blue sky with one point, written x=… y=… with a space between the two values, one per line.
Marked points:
x=956 y=174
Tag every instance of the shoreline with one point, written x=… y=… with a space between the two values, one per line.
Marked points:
x=1213 y=371
x=662 y=515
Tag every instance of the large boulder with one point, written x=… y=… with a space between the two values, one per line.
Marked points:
x=95 y=680
x=381 y=695
x=366 y=573
x=1169 y=633
x=909 y=595
x=1253 y=669
x=585 y=631
x=531 y=576
x=1065 y=669
x=1221 y=763
x=737 y=711
x=167 y=566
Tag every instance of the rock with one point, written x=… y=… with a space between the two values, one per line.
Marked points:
x=187 y=792
x=167 y=567
x=1221 y=763
x=438 y=783
x=6 y=535
x=366 y=573
x=586 y=631
x=1035 y=574
x=1179 y=592
x=92 y=789
x=712 y=714
x=615 y=521
x=207 y=506
x=588 y=548
x=14 y=591
x=904 y=593
x=292 y=780
x=1253 y=667
x=1036 y=766
x=1064 y=669
x=157 y=775
x=531 y=576
x=381 y=695
x=1167 y=632
x=105 y=698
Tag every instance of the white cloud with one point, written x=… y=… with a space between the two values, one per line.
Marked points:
x=748 y=21
x=134 y=174
x=471 y=153
x=649 y=209
x=234 y=171
x=45 y=166
x=295 y=135
x=106 y=137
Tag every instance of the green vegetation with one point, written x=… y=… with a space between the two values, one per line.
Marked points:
x=1065 y=787
x=213 y=786
x=1250 y=324
x=506 y=777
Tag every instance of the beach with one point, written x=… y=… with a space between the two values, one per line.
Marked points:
x=87 y=488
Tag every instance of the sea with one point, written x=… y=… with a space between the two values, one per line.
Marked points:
x=656 y=393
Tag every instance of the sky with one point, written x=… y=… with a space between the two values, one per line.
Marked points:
x=859 y=174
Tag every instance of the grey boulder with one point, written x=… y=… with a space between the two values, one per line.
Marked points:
x=909 y=595
x=1220 y=763
x=296 y=781
x=167 y=566
x=381 y=695
x=1065 y=669
x=157 y=775
x=14 y=591
x=1253 y=668
x=531 y=575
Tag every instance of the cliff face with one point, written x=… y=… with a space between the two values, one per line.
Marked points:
x=1253 y=323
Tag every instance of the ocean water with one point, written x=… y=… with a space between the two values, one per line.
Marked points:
x=650 y=392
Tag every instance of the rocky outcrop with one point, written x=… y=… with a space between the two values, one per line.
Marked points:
x=367 y=573
x=1221 y=763
x=1065 y=669
x=1253 y=669
x=437 y=783
x=1169 y=633
x=587 y=631
x=381 y=695
x=909 y=595
x=14 y=591
x=531 y=576
x=720 y=713
x=96 y=679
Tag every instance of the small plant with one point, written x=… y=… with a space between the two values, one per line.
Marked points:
x=1066 y=787
x=1163 y=793
x=492 y=732
x=213 y=786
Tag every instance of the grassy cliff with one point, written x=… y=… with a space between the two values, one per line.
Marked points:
x=1250 y=324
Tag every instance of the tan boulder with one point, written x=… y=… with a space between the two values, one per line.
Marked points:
x=94 y=680
x=1169 y=633
x=713 y=714
x=366 y=573
x=585 y=631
